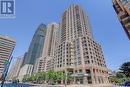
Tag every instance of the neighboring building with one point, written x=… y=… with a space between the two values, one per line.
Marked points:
x=122 y=8
x=39 y=65
x=24 y=59
x=15 y=69
x=76 y=52
x=7 y=45
x=51 y=40
x=36 y=46
x=26 y=70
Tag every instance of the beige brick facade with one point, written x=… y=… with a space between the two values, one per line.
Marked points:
x=75 y=51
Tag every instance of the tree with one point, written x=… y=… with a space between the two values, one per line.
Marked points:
x=125 y=68
x=50 y=76
x=54 y=77
x=119 y=78
x=26 y=78
x=32 y=77
x=120 y=75
x=40 y=77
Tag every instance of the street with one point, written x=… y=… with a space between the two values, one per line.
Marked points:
x=15 y=85
x=39 y=85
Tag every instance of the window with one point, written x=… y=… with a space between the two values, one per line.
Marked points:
x=124 y=1
x=129 y=6
x=129 y=28
x=80 y=70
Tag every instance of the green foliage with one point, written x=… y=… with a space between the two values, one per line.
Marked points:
x=123 y=75
x=26 y=78
x=120 y=75
x=125 y=68
x=49 y=77
x=119 y=78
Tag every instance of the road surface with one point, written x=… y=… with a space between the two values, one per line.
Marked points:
x=34 y=85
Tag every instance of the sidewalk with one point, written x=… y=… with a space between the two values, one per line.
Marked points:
x=101 y=85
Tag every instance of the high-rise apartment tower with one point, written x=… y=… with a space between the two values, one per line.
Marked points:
x=36 y=46
x=51 y=40
x=15 y=69
x=76 y=53
x=7 y=45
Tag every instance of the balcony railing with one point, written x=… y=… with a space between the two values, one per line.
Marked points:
x=127 y=25
x=126 y=20
x=122 y=15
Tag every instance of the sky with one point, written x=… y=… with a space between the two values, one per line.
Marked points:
x=106 y=28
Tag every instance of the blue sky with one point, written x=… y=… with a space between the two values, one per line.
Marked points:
x=105 y=25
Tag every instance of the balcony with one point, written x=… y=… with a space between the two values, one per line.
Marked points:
x=122 y=15
x=126 y=20
x=127 y=25
x=129 y=33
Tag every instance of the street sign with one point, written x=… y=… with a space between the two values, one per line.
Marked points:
x=6 y=62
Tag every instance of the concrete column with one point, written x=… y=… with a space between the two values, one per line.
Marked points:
x=62 y=82
x=74 y=82
x=85 y=80
x=66 y=73
x=92 y=76
x=104 y=80
x=96 y=78
x=100 y=80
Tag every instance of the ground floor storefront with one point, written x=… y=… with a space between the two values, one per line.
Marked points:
x=85 y=76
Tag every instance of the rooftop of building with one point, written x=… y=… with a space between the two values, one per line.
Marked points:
x=7 y=37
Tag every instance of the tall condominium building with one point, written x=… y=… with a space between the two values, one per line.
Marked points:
x=76 y=52
x=122 y=8
x=51 y=40
x=36 y=46
x=7 y=45
x=15 y=69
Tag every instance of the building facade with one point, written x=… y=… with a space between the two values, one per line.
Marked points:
x=36 y=46
x=26 y=70
x=15 y=69
x=24 y=58
x=76 y=53
x=7 y=45
x=51 y=40
x=122 y=8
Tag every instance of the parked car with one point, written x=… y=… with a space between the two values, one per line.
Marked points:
x=15 y=81
x=34 y=82
x=126 y=83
